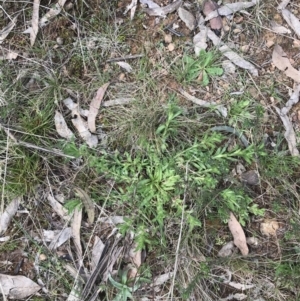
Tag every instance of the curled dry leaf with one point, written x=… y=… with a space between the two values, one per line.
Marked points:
x=161 y=279
x=58 y=208
x=269 y=227
x=61 y=126
x=34 y=21
x=9 y=55
x=125 y=66
x=87 y=203
x=211 y=7
x=203 y=103
x=82 y=128
x=60 y=238
x=289 y=134
x=17 y=287
x=231 y=55
x=187 y=17
x=281 y=61
x=8 y=214
x=7 y=29
x=279 y=28
x=292 y=20
x=149 y=3
x=94 y=107
x=199 y=40
x=238 y=234
x=70 y=104
x=163 y=11
x=227 y=250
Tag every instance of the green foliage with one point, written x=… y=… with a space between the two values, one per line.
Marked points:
x=70 y=205
x=203 y=66
x=153 y=180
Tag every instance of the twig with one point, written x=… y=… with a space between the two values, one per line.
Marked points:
x=123 y=58
x=33 y=146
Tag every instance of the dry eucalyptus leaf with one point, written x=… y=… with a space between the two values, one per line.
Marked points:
x=7 y=29
x=82 y=128
x=161 y=279
x=58 y=208
x=53 y=12
x=17 y=287
x=187 y=17
x=240 y=286
x=227 y=250
x=231 y=55
x=269 y=227
x=199 y=40
x=211 y=7
x=203 y=103
x=281 y=61
x=136 y=258
x=149 y=3
x=9 y=55
x=125 y=66
x=70 y=104
x=279 y=28
x=97 y=250
x=132 y=7
x=75 y=227
x=60 y=238
x=163 y=11
x=94 y=107
x=238 y=234
x=283 y=4
x=61 y=126
x=231 y=8
x=87 y=203
x=8 y=214
x=292 y=20
x=117 y=102
x=34 y=21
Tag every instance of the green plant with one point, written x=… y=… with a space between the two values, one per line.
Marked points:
x=124 y=287
x=201 y=68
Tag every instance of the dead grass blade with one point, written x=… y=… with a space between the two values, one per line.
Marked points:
x=8 y=214
x=94 y=107
x=238 y=234
x=280 y=60
x=18 y=287
x=7 y=29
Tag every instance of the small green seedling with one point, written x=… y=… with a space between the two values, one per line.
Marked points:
x=201 y=68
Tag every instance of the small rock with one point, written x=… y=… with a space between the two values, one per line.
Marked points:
x=168 y=38
x=250 y=177
x=171 y=47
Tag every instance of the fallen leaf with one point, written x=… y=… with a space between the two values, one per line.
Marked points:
x=292 y=20
x=125 y=66
x=70 y=104
x=283 y=4
x=163 y=11
x=75 y=227
x=10 y=55
x=238 y=234
x=269 y=228
x=82 y=128
x=7 y=29
x=161 y=279
x=34 y=21
x=117 y=102
x=8 y=214
x=136 y=258
x=199 y=40
x=53 y=12
x=231 y=8
x=17 y=287
x=227 y=250
x=87 y=203
x=240 y=286
x=228 y=66
x=132 y=7
x=94 y=107
x=58 y=208
x=204 y=103
x=117 y=219
x=61 y=126
x=150 y=4
x=97 y=250
x=237 y=297
x=211 y=8
x=187 y=17
x=279 y=28
x=60 y=238
x=231 y=55
x=280 y=60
